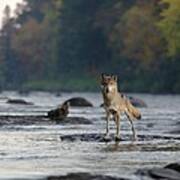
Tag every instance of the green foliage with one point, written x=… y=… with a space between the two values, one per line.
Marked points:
x=67 y=44
x=140 y=37
x=65 y=84
x=170 y=26
x=81 y=45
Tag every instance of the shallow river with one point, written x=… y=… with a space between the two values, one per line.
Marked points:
x=36 y=151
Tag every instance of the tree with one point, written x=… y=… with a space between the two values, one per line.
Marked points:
x=170 y=26
x=81 y=44
x=30 y=45
x=35 y=41
x=136 y=35
x=10 y=67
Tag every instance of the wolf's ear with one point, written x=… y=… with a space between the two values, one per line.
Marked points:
x=103 y=76
x=66 y=104
x=115 y=77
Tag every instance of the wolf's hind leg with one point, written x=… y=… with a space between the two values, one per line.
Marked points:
x=130 y=118
x=117 y=121
x=133 y=129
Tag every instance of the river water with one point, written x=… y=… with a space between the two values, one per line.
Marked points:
x=36 y=151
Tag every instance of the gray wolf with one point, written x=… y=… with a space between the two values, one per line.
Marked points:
x=60 y=113
x=116 y=104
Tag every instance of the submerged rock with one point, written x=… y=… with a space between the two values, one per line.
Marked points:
x=174 y=166
x=99 y=137
x=91 y=137
x=58 y=94
x=23 y=120
x=74 y=120
x=161 y=173
x=79 y=102
x=59 y=113
x=40 y=120
x=83 y=176
x=137 y=102
x=18 y=101
x=170 y=172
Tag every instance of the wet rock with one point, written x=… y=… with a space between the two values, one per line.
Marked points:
x=161 y=173
x=74 y=120
x=79 y=102
x=40 y=120
x=137 y=102
x=24 y=120
x=58 y=94
x=175 y=131
x=83 y=176
x=174 y=166
x=170 y=172
x=98 y=137
x=94 y=137
x=18 y=102
x=142 y=172
x=59 y=113
x=150 y=125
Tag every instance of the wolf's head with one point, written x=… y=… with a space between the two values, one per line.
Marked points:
x=64 y=109
x=109 y=84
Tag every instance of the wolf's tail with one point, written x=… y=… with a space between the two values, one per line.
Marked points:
x=133 y=110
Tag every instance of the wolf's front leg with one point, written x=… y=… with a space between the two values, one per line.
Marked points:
x=107 y=136
x=117 y=121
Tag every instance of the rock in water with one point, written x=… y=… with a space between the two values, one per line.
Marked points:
x=18 y=101
x=75 y=120
x=59 y=113
x=83 y=176
x=79 y=102
x=162 y=173
x=170 y=172
x=137 y=102
x=174 y=166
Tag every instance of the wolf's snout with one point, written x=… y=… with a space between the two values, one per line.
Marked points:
x=107 y=90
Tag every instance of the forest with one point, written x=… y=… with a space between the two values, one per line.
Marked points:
x=64 y=45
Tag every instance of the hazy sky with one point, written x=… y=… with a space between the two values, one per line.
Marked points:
x=3 y=3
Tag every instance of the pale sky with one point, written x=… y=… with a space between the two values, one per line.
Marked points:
x=3 y=3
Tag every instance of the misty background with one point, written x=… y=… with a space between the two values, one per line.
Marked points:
x=64 y=45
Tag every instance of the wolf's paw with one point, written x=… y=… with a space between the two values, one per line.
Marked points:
x=118 y=138
x=107 y=138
